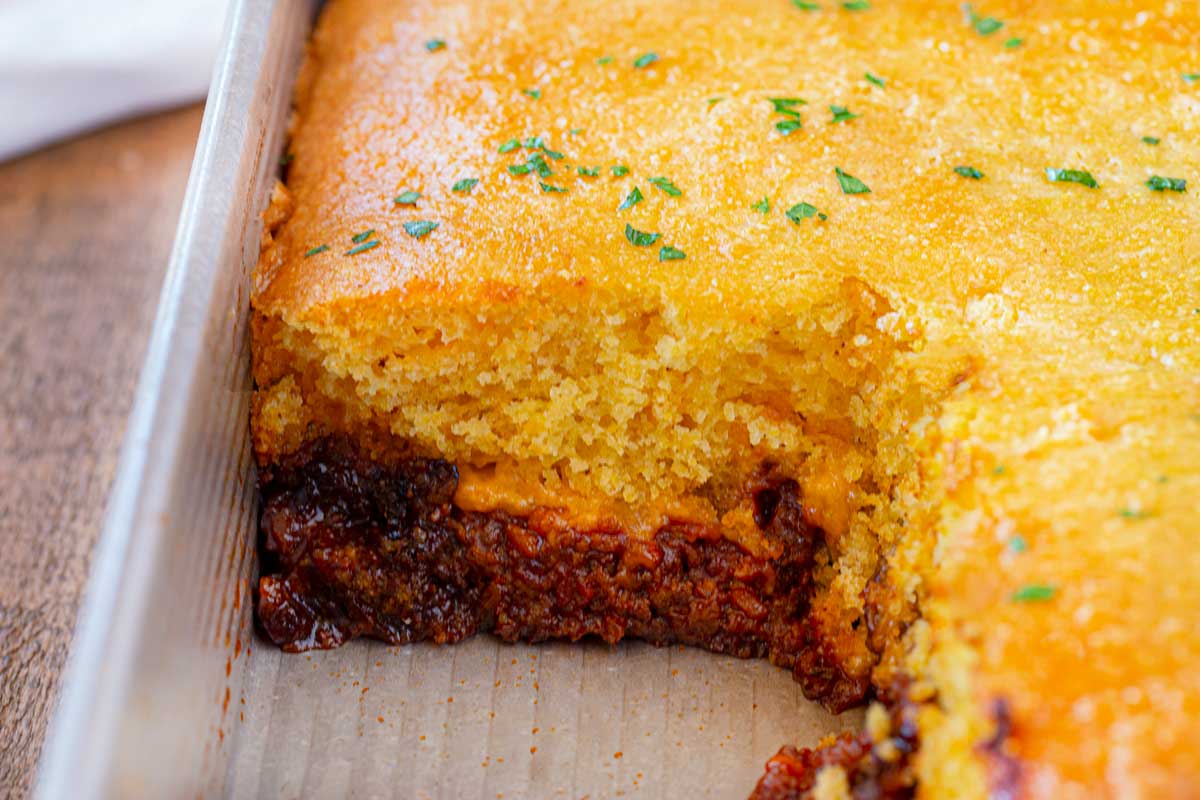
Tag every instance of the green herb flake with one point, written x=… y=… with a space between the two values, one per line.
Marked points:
x=589 y=172
x=509 y=146
x=1017 y=544
x=645 y=60
x=519 y=169
x=631 y=199
x=575 y=131
x=465 y=185
x=999 y=469
x=420 y=228
x=362 y=248
x=786 y=105
x=548 y=189
x=805 y=5
x=788 y=126
x=665 y=185
x=316 y=251
x=712 y=101
x=984 y=26
x=433 y=45
x=1080 y=176
x=1161 y=184
x=856 y=5
x=1034 y=593
x=1134 y=513
x=1013 y=43
x=849 y=183
x=533 y=143
x=671 y=254
x=875 y=80
x=539 y=165
x=362 y=237
x=536 y=94
x=969 y=172
x=408 y=198
x=802 y=211
x=284 y=160
x=1153 y=140
x=762 y=206
x=1191 y=77
x=620 y=171
x=841 y=114
x=640 y=239
x=604 y=60
x=557 y=156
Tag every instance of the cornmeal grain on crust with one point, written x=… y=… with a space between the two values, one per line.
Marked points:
x=983 y=383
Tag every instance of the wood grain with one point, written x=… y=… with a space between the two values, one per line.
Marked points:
x=87 y=229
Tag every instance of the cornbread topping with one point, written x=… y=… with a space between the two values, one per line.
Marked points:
x=560 y=291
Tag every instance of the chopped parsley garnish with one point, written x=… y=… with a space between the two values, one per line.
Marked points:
x=788 y=126
x=557 y=156
x=533 y=143
x=575 y=131
x=875 y=80
x=1161 y=184
x=419 y=228
x=640 y=239
x=465 y=185
x=1080 y=176
x=1017 y=544
x=589 y=172
x=665 y=185
x=1151 y=139
x=620 y=171
x=519 y=169
x=999 y=469
x=631 y=199
x=969 y=172
x=408 y=198
x=984 y=26
x=1134 y=513
x=316 y=250
x=362 y=248
x=671 y=254
x=1014 y=43
x=539 y=165
x=786 y=105
x=1191 y=77
x=712 y=101
x=362 y=237
x=645 y=60
x=536 y=94
x=856 y=5
x=805 y=5
x=1034 y=593
x=762 y=206
x=841 y=114
x=551 y=189
x=802 y=211
x=510 y=145
x=602 y=60
x=849 y=183
x=433 y=45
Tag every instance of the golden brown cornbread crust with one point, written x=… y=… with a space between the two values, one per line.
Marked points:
x=982 y=385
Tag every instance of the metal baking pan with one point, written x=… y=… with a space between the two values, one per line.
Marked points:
x=170 y=692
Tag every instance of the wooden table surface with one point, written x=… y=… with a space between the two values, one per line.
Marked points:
x=87 y=227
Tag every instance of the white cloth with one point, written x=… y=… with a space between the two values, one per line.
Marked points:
x=69 y=65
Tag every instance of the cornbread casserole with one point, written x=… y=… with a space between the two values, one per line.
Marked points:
x=860 y=336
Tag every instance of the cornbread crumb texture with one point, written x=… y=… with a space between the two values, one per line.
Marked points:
x=999 y=378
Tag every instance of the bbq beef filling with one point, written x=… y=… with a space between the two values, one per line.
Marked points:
x=354 y=548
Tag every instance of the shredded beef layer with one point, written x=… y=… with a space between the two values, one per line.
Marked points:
x=354 y=548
